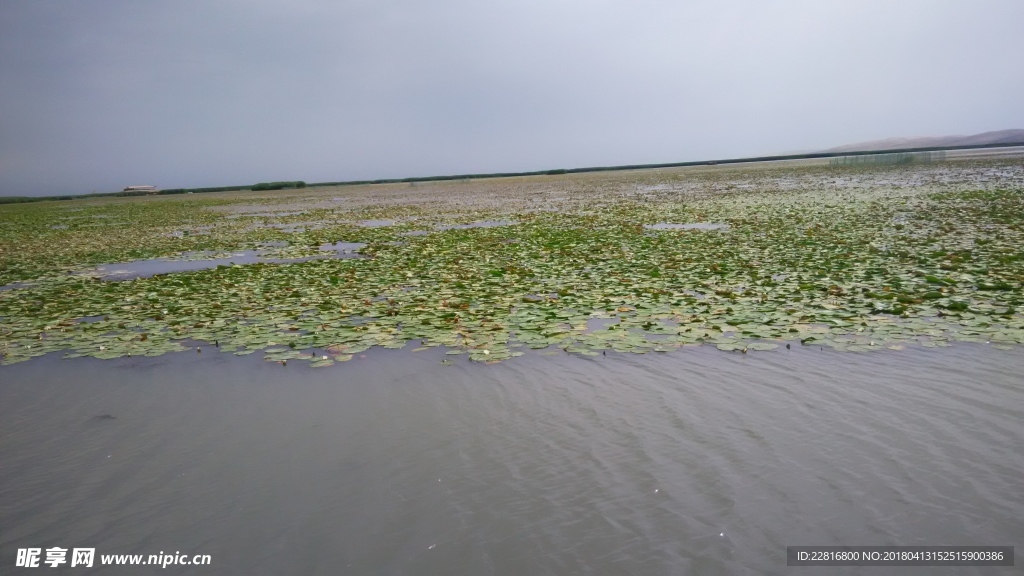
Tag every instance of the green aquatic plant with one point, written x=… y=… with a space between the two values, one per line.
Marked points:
x=858 y=269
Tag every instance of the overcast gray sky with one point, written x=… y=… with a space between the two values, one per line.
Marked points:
x=96 y=95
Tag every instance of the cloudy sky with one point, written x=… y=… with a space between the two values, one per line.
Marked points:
x=96 y=95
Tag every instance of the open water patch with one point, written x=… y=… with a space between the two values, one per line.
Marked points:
x=377 y=223
x=156 y=266
x=17 y=286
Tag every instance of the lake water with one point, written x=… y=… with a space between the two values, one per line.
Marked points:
x=692 y=462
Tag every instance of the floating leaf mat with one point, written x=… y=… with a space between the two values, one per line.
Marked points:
x=855 y=259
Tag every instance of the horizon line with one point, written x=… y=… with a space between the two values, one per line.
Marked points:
x=550 y=172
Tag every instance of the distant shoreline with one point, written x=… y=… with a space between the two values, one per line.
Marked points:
x=752 y=159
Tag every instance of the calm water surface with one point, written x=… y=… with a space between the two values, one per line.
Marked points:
x=694 y=462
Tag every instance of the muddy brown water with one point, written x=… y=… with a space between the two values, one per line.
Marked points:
x=692 y=462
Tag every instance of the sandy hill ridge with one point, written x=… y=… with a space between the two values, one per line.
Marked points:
x=997 y=137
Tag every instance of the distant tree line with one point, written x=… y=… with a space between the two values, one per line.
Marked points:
x=201 y=190
x=256 y=187
x=20 y=199
x=452 y=177
x=277 y=185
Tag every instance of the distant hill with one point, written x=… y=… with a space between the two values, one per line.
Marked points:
x=998 y=137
